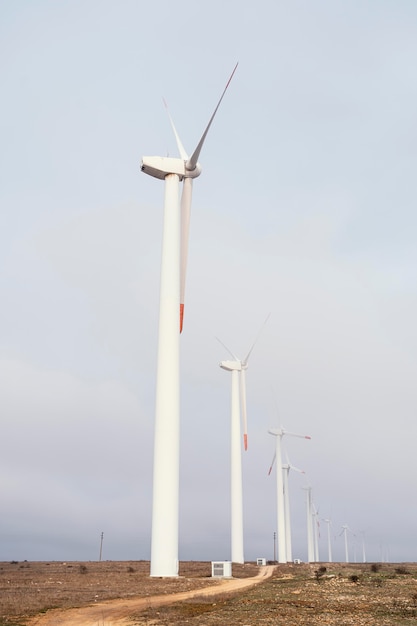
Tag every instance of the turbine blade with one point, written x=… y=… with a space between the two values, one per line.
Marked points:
x=245 y=360
x=181 y=148
x=187 y=190
x=272 y=463
x=292 y=467
x=227 y=349
x=286 y=432
x=243 y=407
x=192 y=161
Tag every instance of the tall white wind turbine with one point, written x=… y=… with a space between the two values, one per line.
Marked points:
x=316 y=526
x=345 y=529
x=288 y=540
x=164 y=545
x=328 y=521
x=363 y=547
x=238 y=369
x=310 y=530
x=281 y=531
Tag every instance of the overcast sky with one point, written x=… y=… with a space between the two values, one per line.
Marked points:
x=306 y=208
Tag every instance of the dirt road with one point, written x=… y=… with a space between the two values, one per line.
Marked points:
x=117 y=612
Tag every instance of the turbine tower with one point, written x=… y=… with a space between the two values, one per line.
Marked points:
x=329 y=539
x=288 y=541
x=316 y=524
x=279 y=433
x=238 y=369
x=310 y=531
x=346 y=528
x=363 y=547
x=164 y=545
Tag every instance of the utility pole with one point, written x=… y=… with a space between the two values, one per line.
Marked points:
x=101 y=545
x=275 y=547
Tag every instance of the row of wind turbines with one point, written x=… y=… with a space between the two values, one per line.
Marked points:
x=238 y=368
x=165 y=504
x=313 y=520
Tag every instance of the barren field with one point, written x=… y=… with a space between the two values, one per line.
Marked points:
x=302 y=595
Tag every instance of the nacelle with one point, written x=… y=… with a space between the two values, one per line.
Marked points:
x=278 y=432
x=160 y=167
x=231 y=366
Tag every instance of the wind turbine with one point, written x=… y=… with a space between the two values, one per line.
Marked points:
x=316 y=526
x=310 y=531
x=346 y=528
x=286 y=471
x=328 y=521
x=164 y=545
x=363 y=547
x=238 y=369
x=279 y=434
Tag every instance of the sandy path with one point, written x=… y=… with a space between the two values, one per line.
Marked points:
x=118 y=611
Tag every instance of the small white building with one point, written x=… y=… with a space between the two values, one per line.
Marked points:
x=221 y=569
x=261 y=561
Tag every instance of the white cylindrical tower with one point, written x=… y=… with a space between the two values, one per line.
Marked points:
x=164 y=548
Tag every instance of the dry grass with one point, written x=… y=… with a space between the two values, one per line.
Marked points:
x=297 y=595
x=303 y=595
x=31 y=587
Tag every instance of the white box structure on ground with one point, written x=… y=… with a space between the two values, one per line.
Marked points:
x=261 y=561
x=221 y=569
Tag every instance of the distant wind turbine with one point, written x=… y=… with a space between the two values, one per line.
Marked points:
x=288 y=540
x=316 y=532
x=279 y=434
x=164 y=548
x=345 y=529
x=328 y=521
x=310 y=531
x=238 y=369
x=363 y=547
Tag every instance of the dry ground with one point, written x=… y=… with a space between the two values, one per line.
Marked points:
x=28 y=588
x=301 y=595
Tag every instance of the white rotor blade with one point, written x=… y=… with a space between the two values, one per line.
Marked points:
x=192 y=161
x=245 y=360
x=227 y=349
x=181 y=148
x=185 y=218
x=272 y=463
x=286 y=432
x=243 y=407
x=187 y=190
x=292 y=467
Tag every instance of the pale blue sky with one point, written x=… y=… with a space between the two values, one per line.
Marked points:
x=306 y=207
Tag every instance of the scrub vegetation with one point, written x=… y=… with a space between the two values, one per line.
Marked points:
x=332 y=593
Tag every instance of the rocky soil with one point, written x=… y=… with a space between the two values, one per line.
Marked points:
x=296 y=595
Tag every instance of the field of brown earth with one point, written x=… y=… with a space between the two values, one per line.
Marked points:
x=37 y=593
